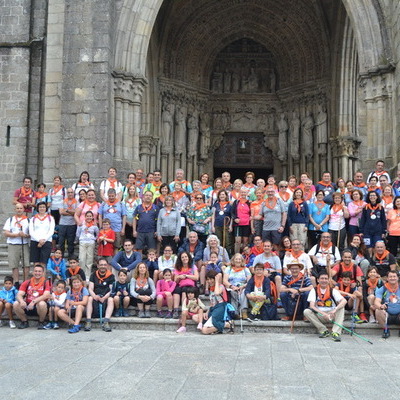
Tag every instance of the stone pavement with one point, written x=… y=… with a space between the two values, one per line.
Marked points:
x=164 y=365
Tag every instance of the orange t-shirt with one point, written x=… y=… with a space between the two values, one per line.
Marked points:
x=394 y=225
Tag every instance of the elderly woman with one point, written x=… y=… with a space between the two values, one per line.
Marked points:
x=337 y=220
x=241 y=214
x=181 y=204
x=199 y=218
x=168 y=224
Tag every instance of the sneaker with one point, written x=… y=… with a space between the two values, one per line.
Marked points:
x=324 y=334
x=142 y=314
x=244 y=314
x=386 y=334
x=357 y=319
x=160 y=314
x=200 y=326
x=169 y=315
x=147 y=314
x=206 y=293
x=74 y=329
x=125 y=313
x=107 y=327
x=12 y=324
x=50 y=325
x=1 y=323
x=175 y=314
x=182 y=329
x=372 y=319
x=41 y=325
x=286 y=318
x=23 y=325
x=336 y=337
x=88 y=326
x=56 y=326
x=363 y=316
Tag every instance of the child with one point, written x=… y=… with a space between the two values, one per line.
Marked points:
x=165 y=288
x=106 y=240
x=77 y=298
x=152 y=264
x=120 y=292
x=74 y=269
x=192 y=307
x=212 y=265
x=351 y=293
x=56 y=303
x=7 y=298
x=372 y=283
x=56 y=266
x=87 y=234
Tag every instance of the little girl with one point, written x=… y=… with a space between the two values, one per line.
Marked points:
x=372 y=283
x=56 y=303
x=56 y=266
x=213 y=265
x=165 y=287
x=192 y=307
x=120 y=292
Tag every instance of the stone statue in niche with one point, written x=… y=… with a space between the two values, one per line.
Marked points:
x=294 y=136
x=235 y=82
x=322 y=128
x=180 y=130
x=272 y=78
x=252 y=81
x=193 y=133
x=205 y=139
x=217 y=80
x=307 y=135
x=167 y=128
x=227 y=81
x=282 y=138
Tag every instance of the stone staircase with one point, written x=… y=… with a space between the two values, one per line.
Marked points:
x=4 y=268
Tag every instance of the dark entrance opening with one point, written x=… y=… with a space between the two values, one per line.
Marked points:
x=238 y=173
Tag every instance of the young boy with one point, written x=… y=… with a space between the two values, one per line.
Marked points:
x=74 y=269
x=7 y=298
x=56 y=303
x=106 y=241
x=56 y=266
x=152 y=263
x=120 y=293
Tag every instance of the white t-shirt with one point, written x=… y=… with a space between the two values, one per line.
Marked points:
x=312 y=297
x=15 y=227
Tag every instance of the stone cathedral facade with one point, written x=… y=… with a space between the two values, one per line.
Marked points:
x=278 y=86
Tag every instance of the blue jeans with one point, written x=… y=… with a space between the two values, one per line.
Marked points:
x=289 y=303
x=67 y=232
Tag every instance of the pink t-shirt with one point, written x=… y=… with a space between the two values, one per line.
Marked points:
x=187 y=281
x=243 y=213
x=85 y=207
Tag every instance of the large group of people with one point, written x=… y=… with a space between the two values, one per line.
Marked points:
x=251 y=246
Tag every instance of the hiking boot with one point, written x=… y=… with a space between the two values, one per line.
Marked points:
x=182 y=329
x=107 y=327
x=142 y=314
x=23 y=325
x=175 y=314
x=324 y=334
x=160 y=314
x=125 y=313
x=88 y=326
x=364 y=318
x=336 y=337
x=56 y=326
x=50 y=325
x=169 y=315
x=74 y=329
x=244 y=314
x=357 y=319
x=12 y=324
x=386 y=334
x=41 y=325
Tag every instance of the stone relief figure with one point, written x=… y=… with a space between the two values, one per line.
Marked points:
x=235 y=82
x=272 y=78
x=252 y=85
x=193 y=133
x=294 y=136
x=205 y=139
x=217 y=80
x=282 y=138
x=322 y=128
x=227 y=81
x=180 y=130
x=307 y=135
x=167 y=127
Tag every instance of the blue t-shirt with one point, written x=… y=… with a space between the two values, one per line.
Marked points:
x=392 y=300
x=114 y=213
x=71 y=296
x=296 y=285
x=146 y=219
x=318 y=216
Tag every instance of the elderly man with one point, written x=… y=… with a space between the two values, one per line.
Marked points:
x=67 y=226
x=297 y=255
x=179 y=178
x=194 y=246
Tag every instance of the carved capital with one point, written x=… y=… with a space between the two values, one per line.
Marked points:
x=129 y=87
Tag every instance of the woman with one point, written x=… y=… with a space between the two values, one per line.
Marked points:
x=235 y=192
x=298 y=218
x=82 y=196
x=185 y=275
x=41 y=230
x=341 y=186
x=303 y=178
x=308 y=192
x=271 y=182
x=373 y=185
x=349 y=190
x=164 y=192
x=355 y=208
x=256 y=225
x=285 y=246
x=337 y=220
x=143 y=289
x=199 y=218
x=249 y=182
x=90 y=204
x=218 y=185
x=393 y=226
x=236 y=277
x=131 y=182
x=132 y=200
x=319 y=217
x=359 y=253
x=292 y=184
x=57 y=194
x=206 y=189
x=182 y=204
x=82 y=184
x=241 y=214
x=166 y=261
x=168 y=225
x=221 y=218
x=387 y=199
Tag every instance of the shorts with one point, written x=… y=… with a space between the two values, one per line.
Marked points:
x=179 y=290
x=393 y=319
x=273 y=236
x=32 y=312
x=208 y=323
x=145 y=239
x=96 y=309
x=273 y=275
x=241 y=231
x=15 y=255
x=370 y=240
x=40 y=254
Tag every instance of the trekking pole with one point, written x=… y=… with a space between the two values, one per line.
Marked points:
x=352 y=316
x=52 y=305
x=297 y=305
x=224 y=232
x=101 y=312
x=347 y=329
x=22 y=255
x=386 y=327
x=241 y=319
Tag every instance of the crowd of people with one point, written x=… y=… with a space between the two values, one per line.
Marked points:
x=251 y=246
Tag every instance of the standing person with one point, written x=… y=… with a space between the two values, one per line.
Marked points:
x=221 y=218
x=206 y=188
x=111 y=183
x=82 y=184
x=319 y=217
x=249 y=178
x=57 y=194
x=145 y=223
x=16 y=230
x=387 y=199
x=379 y=171
x=140 y=181
x=326 y=305
x=214 y=194
x=155 y=185
x=326 y=185
x=235 y=192
x=179 y=178
x=199 y=218
x=32 y=298
x=115 y=211
x=355 y=208
x=226 y=181
x=131 y=201
x=67 y=226
x=131 y=183
x=337 y=220
x=82 y=196
x=41 y=230
x=100 y=285
x=105 y=240
x=182 y=204
x=90 y=204
x=164 y=192
x=393 y=226
x=396 y=184
x=25 y=195
x=41 y=195
x=168 y=225
x=241 y=214
x=255 y=207
x=298 y=218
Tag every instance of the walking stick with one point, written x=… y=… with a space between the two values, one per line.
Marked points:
x=22 y=255
x=52 y=305
x=226 y=222
x=101 y=312
x=297 y=305
x=352 y=316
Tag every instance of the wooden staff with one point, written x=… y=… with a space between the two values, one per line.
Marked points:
x=297 y=304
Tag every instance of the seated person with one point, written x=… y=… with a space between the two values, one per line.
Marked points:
x=74 y=269
x=126 y=259
x=56 y=303
x=143 y=289
x=370 y=285
x=192 y=307
x=120 y=292
x=7 y=298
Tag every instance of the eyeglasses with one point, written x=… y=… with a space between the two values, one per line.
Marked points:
x=283 y=187
x=199 y=198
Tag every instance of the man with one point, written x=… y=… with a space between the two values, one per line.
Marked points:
x=382 y=259
x=179 y=178
x=67 y=226
x=379 y=171
x=226 y=181
x=294 y=285
x=297 y=255
x=383 y=182
x=32 y=298
x=387 y=303
x=100 y=284
x=326 y=305
x=145 y=223
x=140 y=181
x=25 y=195
x=254 y=251
x=154 y=187
x=16 y=229
x=326 y=184
x=274 y=215
x=111 y=183
x=323 y=253
x=194 y=246
x=272 y=264
x=347 y=265
x=127 y=258
x=360 y=184
x=115 y=211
